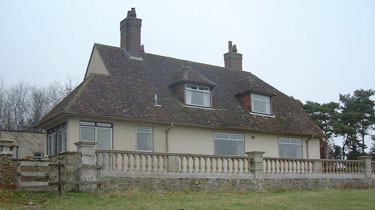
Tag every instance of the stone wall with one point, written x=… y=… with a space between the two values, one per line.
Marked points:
x=71 y=172
x=230 y=185
x=28 y=142
x=8 y=172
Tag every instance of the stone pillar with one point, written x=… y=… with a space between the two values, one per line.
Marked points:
x=8 y=166
x=317 y=167
x=366 y=165
x=6 y=146
x=88 y=175
x=256 y=164
x=173 y=164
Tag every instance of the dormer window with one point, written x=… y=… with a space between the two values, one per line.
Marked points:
x=260 y=104
x=196 y=95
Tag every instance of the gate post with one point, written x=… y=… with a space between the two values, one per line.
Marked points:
x=88 y=175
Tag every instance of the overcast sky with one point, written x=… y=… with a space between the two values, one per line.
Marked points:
x=311 y=50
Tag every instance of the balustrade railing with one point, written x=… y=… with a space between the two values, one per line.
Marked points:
x=130 y=162
x=152 y=162
x=289 y=166
x=311 y=166
x=342 y=166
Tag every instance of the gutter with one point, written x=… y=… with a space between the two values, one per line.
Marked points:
x=307 y=145
x=166 y=136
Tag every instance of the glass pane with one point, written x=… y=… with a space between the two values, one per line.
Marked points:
x=188 y=96
x=225 y=147
x=49 y=144
x=255 y=96
x=259 y=106
x=290 y=150
x=236 y=136
x=222 y=135
x=64 y=140
x=87 y=123
x=53 y=144
x=88 y=133
x=59 y=141
x=144 y=141
x=284 y=140
x=197 y=98
x=144 y=129
x=206 y=100
x=107 y=125
x=104 y=138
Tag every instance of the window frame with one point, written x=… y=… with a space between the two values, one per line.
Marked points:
x=197 y=90
x=252 y=104
x=136 y=138
x=58 y=142
x=286 y=137
x=95 y=125
x=244 y=141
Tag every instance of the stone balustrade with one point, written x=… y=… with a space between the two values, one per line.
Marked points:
x=120 y=163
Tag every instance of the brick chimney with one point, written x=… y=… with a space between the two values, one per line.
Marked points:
x=232 y=58
x=130 y=29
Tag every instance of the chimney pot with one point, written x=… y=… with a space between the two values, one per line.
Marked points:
x=130 y=29
x=232 y=58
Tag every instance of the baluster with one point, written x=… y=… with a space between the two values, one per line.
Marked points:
x=157 y=163
x=147 y=165
x=228 y=166
x=129 y=163
x=233 y=161
x=104 y=160
x=238 y=165
x=211 y=165
x=244 y=171
x=110 y=163
x=116 y=161
x=165 y=161
x=187 y=164
x=122 y=161
x=205 y=165
x=222 y=165
x=217 y=165
x=194 y=164
x=199 y=164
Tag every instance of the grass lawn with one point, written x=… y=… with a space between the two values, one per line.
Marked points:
x=315 y=199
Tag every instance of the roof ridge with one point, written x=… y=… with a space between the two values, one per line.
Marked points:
x=180 y=59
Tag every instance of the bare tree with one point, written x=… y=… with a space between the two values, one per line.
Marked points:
x=22 y=106
x=38 y=105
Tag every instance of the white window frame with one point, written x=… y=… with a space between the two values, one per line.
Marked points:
x=205 y=89
x=291 y=138
x=136 y=138
x=229 y=139
x=96 y=131
x=269 y=102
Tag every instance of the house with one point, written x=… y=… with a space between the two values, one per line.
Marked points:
x=136 y=101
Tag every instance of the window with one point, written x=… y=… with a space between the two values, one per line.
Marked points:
x=144 y=138
x=197 y=96
x=98 y=132
x=260 y=104
x=56 y=140
x=291 y=148
x=229 y=144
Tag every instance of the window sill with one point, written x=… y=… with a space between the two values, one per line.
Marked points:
x=263 y=115
x=199 y=107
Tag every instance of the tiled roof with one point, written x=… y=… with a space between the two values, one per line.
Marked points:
x=129 y=91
